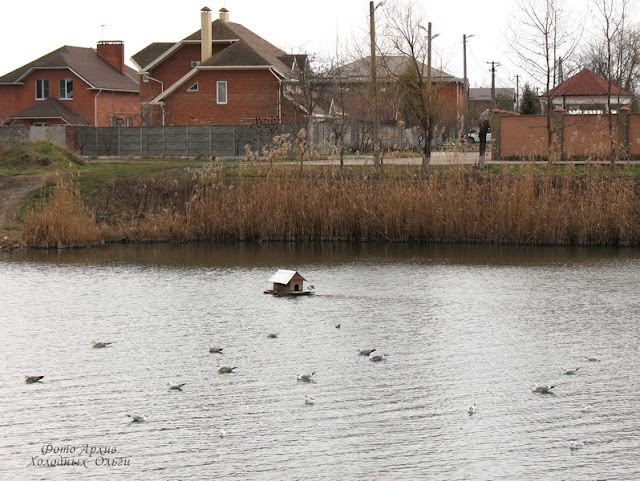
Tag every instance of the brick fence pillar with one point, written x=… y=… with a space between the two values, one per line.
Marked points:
x=623 y=132
x=494 y=119
x=557 y=137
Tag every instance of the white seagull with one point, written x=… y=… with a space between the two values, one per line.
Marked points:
x=32 y=379
x=574 y=445
x=222 y=433
x=309 y=400
x=377 y=357
x=586 y=408
x=176 y=387
x=472 y=409
x=137 y=418
x=100 y=345
x=224 y=369
x=216 y=350
x=306 y=376
x=542 y=388
x=570 y=372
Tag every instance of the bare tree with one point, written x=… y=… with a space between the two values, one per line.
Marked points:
x=545 y=33
x=406 y=36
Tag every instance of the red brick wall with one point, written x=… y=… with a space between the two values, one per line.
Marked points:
x=250 y=94
x=523 y=136
x=15 y=99
x=587 y=135
x=634 y=134
x=112 y=53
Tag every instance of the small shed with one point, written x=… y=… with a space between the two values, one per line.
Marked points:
x=287 y=281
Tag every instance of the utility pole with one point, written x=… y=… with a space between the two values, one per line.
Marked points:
x=374 y=82
x=465 y=37
x=494 y=65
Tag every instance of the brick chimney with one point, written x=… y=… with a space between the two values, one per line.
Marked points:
x=224 y=15
x=112 y=52
x=206 y=35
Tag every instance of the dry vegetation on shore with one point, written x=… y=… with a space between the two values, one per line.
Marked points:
x=524 y=205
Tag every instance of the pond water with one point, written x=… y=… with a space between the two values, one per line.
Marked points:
x=459 y=324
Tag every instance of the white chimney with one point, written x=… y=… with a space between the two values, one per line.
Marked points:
x=206 y=34
x=224 y=15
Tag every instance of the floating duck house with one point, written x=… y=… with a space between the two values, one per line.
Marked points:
x=287 y=283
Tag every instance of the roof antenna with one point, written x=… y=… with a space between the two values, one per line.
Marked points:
x=102 y=29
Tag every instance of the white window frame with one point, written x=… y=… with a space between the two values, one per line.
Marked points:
x=64 y=90
x=42 y=88
x=221 y=88
x=193 y=88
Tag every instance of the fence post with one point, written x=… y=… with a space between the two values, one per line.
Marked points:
x=119 y=150
x=141 y=141
x=623 y=132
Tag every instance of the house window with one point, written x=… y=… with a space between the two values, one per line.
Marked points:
x=221 y=92
x=193 y=88
x=129 y=122
x=66 y=88
x=42 y=89
x=116 y=122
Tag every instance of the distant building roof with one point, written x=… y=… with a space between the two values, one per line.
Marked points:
x=483 y=94
x=360 y=70
x=86 y=63
x=586 y=83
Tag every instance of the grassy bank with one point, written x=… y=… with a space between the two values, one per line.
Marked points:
x=524 y=204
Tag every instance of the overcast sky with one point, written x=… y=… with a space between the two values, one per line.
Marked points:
x=32 y=28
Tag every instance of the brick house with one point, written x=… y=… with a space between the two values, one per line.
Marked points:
x=355 y=79
x=587 y=92
x=222 y=74
x=72 y=86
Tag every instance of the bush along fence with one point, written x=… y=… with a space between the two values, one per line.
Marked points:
x=573 y=136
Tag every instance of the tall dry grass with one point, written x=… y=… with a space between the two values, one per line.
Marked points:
x=283 y=204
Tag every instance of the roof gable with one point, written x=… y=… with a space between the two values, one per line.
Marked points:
x=586 y=83
x=96 y=72
x=283 y=276
x=360 y=70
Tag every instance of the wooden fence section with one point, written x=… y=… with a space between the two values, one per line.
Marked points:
x=572 y=136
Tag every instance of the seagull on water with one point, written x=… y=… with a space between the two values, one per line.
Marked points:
x=338 y=326
x=224 y=369
x=222 y=433
x=586 y=408
x=365 y=352
x=176 y=387
x=306 y=376
x=216 y=350
x=377 y=357
x=575 y=445
x=472 y=409
x=592 y=359
x=309 y=400
x=32 y=379
x=100 y=345
x=570 y=372
x=542 y=388
x=137 y=418
x=272 y=335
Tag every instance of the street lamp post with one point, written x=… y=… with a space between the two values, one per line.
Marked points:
x=465 y=37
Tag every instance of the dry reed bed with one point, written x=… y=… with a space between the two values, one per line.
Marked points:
x=527 y=207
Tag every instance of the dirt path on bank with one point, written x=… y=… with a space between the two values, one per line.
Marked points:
x=14 y=190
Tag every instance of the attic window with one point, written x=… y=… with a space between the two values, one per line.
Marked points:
x=66 y=88
x=42 y=89
x=193 y=88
